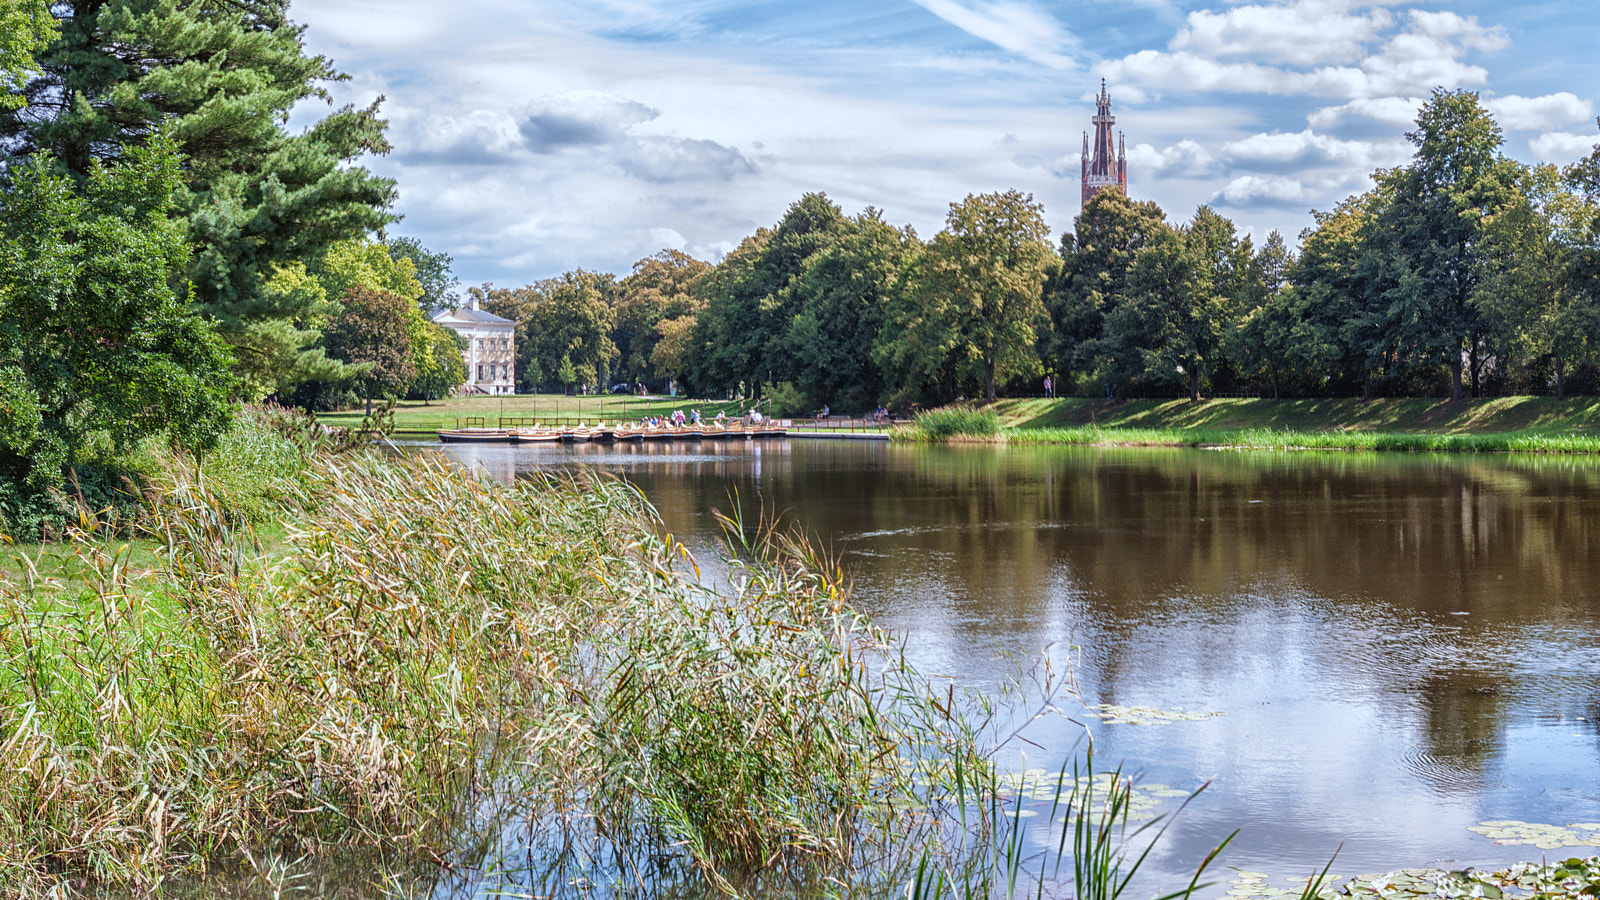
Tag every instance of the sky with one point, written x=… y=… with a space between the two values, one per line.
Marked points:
x=533 y=137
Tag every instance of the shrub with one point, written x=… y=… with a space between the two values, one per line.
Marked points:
x=957 y=421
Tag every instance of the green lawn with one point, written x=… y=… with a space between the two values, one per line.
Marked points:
x=413 y=417
x=1533 y=415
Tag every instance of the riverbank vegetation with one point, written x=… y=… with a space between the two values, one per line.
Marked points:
x=415 y=653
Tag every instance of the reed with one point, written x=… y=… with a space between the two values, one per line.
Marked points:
x=952 y=423
x=426 y=653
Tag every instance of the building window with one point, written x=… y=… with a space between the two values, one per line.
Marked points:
x=503 y=343
x=480 y=371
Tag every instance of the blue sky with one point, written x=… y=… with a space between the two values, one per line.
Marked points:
x=533 y=137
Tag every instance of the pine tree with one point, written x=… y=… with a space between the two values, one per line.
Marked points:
x=220 y=78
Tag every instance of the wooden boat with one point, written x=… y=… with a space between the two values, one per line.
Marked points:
x=534 y=436
x=474 y=436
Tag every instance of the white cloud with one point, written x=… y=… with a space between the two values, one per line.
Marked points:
x=1387 y=110
x=1465 y=30
x=1539 y=113
x=1563 y=147
x=1304 y=33
x=1426 y=55
x=1185 y=159
x=1019 y=27
x=667 y=238
x=1301 y=149
x=1269 y=190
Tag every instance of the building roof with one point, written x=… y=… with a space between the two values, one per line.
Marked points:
x=468 y=314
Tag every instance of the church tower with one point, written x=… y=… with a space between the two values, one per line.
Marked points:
x=1102 y=170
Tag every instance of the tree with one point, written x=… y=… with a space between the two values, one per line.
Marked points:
x=1443 y=203
x=1092 y=281
x=973 y=296
x=97 y=352
x=431 y=270
x=841 y=297
x=25 y=28
x=1537 y=296
x=1160 y=330
x=662 y=288
x=563 y=327
x=222 y=78
x=440 y=365
x=744 y=330
x=373 y=331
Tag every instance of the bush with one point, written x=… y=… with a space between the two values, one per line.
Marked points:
x=956 y=421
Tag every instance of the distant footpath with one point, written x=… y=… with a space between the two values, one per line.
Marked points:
x=1534 y=424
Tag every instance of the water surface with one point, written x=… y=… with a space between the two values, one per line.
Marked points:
x=1400 y=646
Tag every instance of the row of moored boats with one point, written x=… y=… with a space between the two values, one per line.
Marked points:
x=605 y=434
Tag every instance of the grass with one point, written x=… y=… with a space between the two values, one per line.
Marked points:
x=414 y=418
x=1521 y=424
x=961 y=423
x=1539 y=415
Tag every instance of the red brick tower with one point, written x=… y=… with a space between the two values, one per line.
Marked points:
x=1102 y=170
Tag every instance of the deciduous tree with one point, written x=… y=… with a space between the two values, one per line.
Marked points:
x=97 y=351
x=973 y=297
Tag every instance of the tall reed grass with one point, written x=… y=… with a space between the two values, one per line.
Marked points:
x=430 y=652
x=952 y=423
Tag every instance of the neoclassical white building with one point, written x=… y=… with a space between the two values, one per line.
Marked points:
x=491 y=347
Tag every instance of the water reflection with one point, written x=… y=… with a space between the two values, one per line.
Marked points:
x=1403 y=645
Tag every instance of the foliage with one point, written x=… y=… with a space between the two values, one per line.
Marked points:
x=432 y=272
x=373 y=332
x=972 y=302
x=657 y=303
x=563 y=332
x=25 y=28
x=441 y=368
x=1535 y=297
x=841 y=296
x=222 y=79
x=1092 y=281
x=1435 y=229
x=96 y=351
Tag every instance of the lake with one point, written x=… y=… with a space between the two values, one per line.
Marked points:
x=1375 y=650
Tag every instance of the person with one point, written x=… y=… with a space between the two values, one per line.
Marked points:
x=695 y=417
x=755 y=416
x=1049 y=387
x=826 y=411
x=722 y=416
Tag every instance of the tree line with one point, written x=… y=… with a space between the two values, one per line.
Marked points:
x=1461 y=272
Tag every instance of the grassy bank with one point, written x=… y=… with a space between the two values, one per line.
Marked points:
x=1542 y=415
x=1522 y=424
